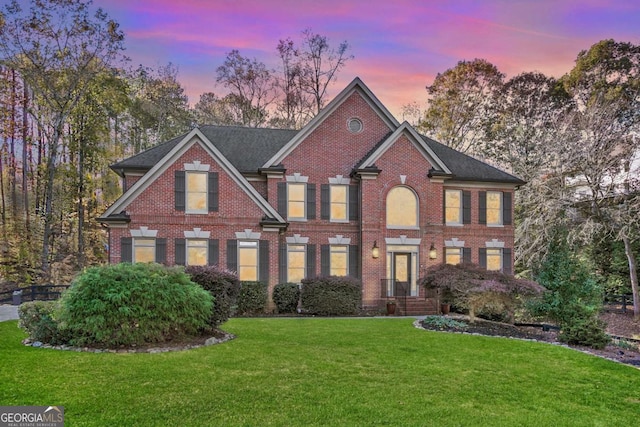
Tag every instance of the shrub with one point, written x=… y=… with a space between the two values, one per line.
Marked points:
x=286 y=297
x=573 y=298
x=133 y=304
x=331 y=296
x=485 y=293
x=222 y=284
x=252 y=298
x=37 y=318
x=588 y=331
x=444 y=323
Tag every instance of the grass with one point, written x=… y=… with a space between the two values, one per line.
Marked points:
x=326 y=372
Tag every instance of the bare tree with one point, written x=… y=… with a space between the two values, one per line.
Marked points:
x=320 y=64
x=58 y=47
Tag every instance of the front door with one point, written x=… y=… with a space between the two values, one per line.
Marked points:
x=402 y=273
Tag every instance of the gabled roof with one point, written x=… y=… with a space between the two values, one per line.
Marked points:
x=245 y=148
x=173 y=150
x=404 y=129
x=355 y=86
x=467 y=168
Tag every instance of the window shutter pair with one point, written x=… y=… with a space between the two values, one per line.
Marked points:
x=353 y=200
x=181 y=192
x=506 y=208
x=213 y=252
x=263 y=258
x=507 y=259
x=354 y=260
x=310 y=196
x=126 y=250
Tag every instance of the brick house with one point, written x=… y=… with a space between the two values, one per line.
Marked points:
x=354 y=192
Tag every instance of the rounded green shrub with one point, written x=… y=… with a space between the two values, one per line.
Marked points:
x=252 y=298
x=38 y=319
x=133 y=304
x=331 y=296
x=588 y=331
x=286 y=297
x=224 y=287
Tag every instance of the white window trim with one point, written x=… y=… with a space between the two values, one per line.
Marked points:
x=346 y=203
x=133 y=246
x=500 y=209
x=451 y=248
x=304 y=251
x=186 y=193
x=249 y=244
x=345 y=251
x=460 y=221
x=501 y=255
x=196 y=239
x=304 y=202
x=403 y=227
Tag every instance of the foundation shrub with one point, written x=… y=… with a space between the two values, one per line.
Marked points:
x=252 y=298
x=286 y=297
x=224 y=287
x=133 y=304
x=38 y=319
x=331 y=296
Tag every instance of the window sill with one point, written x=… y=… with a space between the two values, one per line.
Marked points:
x=495 y=225
x=400 y=227
x=454 y=225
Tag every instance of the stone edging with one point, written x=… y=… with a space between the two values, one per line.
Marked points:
x=151 y=350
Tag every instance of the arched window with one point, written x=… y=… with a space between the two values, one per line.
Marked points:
x=402 y=208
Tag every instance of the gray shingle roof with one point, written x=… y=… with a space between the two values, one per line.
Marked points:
x=246 y=148
x=249 y=148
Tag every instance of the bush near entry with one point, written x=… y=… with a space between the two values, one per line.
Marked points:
x=253 y=298
x=286 y=297
x=222 y=284
x=331 y=296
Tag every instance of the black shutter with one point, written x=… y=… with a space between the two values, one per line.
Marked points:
x=506 y=261
x=126 y=249
x=466 y=207
x=444 y=206
x=482 y=207
x=161 y=251
x=482 y=261
x=214 y=252
x=282 y=262
x=325 y=201
x=282 y=199
x=311 y=201
x=181 y=251
x=325 y=260
x=354 y=202
x=232 y=255
x=506 y=208
x=213 y=191
x=354 y=261
x=466 y=255
x=179 y=187
x=311 y=262
x=263 y=273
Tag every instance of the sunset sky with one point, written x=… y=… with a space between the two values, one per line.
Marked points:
x=399 y=45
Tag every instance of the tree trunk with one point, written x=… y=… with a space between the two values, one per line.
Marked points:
x=81 y=198
x=633 y=273
x=25 y=157
x=48 y=196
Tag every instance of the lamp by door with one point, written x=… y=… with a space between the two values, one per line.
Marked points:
x=375 y=251
x=433 y=252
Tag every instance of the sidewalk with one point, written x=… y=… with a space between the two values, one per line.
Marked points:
x=8 y=312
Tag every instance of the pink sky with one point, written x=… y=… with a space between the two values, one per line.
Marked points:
x=399 y=45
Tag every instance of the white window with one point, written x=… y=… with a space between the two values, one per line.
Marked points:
x=339 y=202
x=247 y=260
x=197 y=251
x=339 y=260
x=453 y=207
x=494 y=208
x=196 y=191
x=144 y=249
x=296 y=263
x=494 y=259
x=402 y=208
x=453 y=256
x=296 y=200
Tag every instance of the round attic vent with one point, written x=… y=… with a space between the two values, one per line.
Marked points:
x=354 y=125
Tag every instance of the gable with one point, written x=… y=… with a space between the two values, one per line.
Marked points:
x=195 y=137
x=356 y=87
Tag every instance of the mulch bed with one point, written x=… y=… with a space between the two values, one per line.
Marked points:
x=496 y=329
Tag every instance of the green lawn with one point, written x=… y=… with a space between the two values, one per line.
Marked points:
x=326 y=372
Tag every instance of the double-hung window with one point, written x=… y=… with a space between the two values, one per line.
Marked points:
x=453 y=256
x=144 y=249
x=494 y=259
x=339 y=260
x=453 y=207
x=339 y=202
x=296 y=263
x=197 y=251
x=247 y=260
x=296 y=200
x=494 y=208
x=196 y=192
